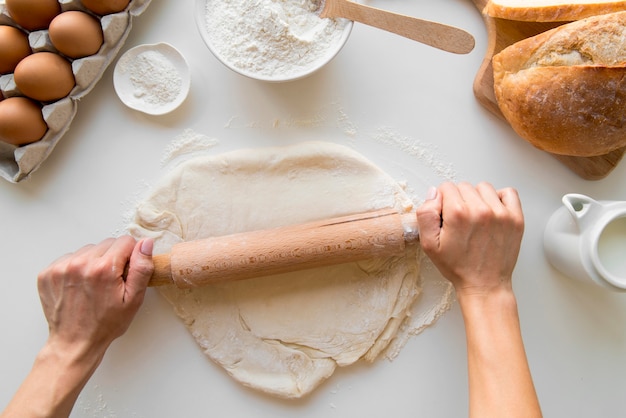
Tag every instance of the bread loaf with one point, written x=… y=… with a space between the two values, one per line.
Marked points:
x=551 y=10
x=564 y=90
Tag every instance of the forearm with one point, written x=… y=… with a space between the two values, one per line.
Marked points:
x=88 y=303
x=54 y=383
x=500 y=382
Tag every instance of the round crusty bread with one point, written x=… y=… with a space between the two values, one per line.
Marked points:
x=551 y=10
x=564 y=90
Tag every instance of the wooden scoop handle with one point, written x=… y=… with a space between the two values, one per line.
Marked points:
x=280 y=250
x=438 y=35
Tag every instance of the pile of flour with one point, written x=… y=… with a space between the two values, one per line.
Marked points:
x=154 y=78
x=271 y=37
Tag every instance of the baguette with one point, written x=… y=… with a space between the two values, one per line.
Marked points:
x=564 y=90
x=551 y=10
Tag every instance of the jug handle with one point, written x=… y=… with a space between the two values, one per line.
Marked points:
x=580 y=206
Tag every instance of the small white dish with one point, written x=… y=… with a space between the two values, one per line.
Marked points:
x=152 y=78
x=328 y=54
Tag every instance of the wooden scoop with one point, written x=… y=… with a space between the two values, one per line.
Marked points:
x=280 y=250
x=438 y=35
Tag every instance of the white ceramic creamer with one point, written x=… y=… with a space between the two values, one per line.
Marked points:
x=586 y=239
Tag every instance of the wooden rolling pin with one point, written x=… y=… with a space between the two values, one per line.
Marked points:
x=281 y=250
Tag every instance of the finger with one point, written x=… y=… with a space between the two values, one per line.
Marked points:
x=510 y=199
x=62 y=264
x=96 y=250
x=450 y=190
x=457 y=200
x=60 y=260
x=470 y=195
x=452 y=196
x=86 y=249
x=489 y=195
x=429 y=220
x=139 y=271
x=119 y=252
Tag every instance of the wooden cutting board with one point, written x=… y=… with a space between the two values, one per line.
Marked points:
x=502 y=33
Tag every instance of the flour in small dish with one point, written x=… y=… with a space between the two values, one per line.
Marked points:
x=271 y=37
x=154 y=77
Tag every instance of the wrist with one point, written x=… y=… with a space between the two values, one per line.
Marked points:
x=71 y=364
x=484 y=300
x=59 y=373
x=69 y=355
x=75 y=357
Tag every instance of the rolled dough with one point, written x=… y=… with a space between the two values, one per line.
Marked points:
x=284 y=334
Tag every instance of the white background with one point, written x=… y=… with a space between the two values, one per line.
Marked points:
x=575 y=334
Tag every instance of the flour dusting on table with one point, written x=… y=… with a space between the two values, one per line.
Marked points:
x=187 y=142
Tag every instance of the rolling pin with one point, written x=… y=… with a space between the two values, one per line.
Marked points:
x=280 y=250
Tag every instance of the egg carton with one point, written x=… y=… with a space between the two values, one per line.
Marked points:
x=18 y=163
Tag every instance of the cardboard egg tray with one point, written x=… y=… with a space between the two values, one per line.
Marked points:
x=18 y=163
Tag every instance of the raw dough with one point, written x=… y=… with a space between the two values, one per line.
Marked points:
x=284 y=334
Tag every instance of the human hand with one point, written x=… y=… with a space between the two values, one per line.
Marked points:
x=472 y=235
x=87 y=301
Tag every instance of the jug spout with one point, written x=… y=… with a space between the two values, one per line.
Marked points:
x=583 y=209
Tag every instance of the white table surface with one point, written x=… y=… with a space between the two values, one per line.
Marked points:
x=575 y=334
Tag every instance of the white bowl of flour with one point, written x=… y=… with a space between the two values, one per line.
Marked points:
x=152 y=79
x=270 y=40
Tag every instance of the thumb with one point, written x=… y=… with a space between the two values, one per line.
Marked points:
x=429 y=220
x=140 y=270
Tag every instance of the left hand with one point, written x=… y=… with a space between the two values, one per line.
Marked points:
x=85 y=297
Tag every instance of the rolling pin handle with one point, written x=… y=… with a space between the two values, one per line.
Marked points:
x=411 y=229
x=162 y=274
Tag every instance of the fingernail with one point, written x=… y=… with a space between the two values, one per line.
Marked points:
x=431 y=194
x=146 y=246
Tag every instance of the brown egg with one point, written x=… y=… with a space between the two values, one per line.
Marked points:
x=76 y=34
x=105 y=7
x=21 y=121
x=33 y=14
x=44 y=76
x=13 y=48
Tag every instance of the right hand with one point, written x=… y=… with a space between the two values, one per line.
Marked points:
x=472 y=235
